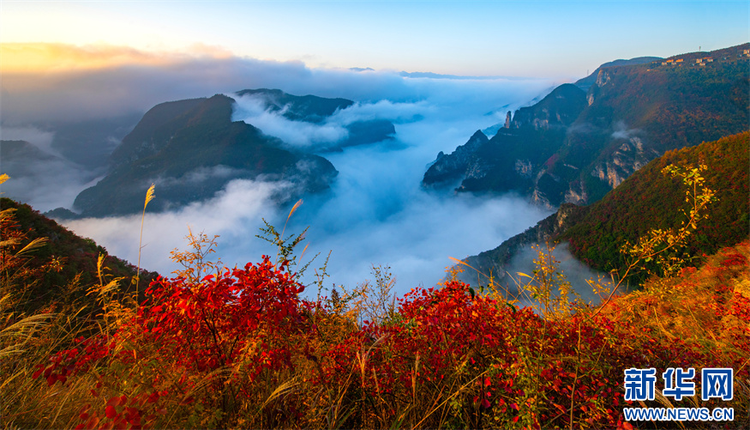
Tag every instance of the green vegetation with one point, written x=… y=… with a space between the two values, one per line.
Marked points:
x=650 y=200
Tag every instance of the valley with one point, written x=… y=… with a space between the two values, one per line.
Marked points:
x=259 y=258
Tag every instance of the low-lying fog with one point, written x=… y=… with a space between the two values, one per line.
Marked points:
x=376 y=212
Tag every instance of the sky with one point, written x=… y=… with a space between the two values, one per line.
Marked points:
x=529 y=38
x=71 y=62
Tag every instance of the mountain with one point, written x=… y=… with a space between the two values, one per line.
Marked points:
x=646 y=200
x=318 y=110
x=588 y=81
x=509 y=161
x=450 y=168
x=191 y=149
x=19 y=156
x=575 y=146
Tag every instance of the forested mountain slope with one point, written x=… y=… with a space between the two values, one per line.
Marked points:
x=646 y=200
x=575 y=146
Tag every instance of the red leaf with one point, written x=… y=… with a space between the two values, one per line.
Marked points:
x=92 y=423
x=110 y=411
x=38 y=372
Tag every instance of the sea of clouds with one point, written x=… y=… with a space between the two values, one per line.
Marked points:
x=376 y=212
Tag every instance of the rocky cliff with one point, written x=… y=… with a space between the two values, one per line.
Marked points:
x=575 y=146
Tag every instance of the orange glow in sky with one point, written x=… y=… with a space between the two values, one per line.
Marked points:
x=532 y=38
x=56 y=57
x=53 y=57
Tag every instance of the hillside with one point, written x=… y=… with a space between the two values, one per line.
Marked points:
x=191 y=149
x=649 y=199
x=588 y=81
x=575 y=146
x=644 y=201
x=58 y=274
x=244 y=349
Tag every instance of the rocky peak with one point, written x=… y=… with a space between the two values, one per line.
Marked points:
x=448 y=168
x=558 y=109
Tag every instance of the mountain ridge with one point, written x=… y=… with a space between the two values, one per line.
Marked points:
x=632 y=113
x=176 y=139
x=178 y=142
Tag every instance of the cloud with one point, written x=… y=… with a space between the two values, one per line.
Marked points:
x=39 y=175
x=300 y=134
x=235 y=213
x=575 y=272
x=383 y=109
x=375 y=212
x=623 y=132
x=125 y=80
x=42 y=139
x=198 y=176
x=319 y=136
x=45 y=184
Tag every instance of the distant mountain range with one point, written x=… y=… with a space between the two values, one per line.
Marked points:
x=191 y=149
x=584 y=139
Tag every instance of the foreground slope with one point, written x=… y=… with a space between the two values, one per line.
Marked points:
x=58 y=274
